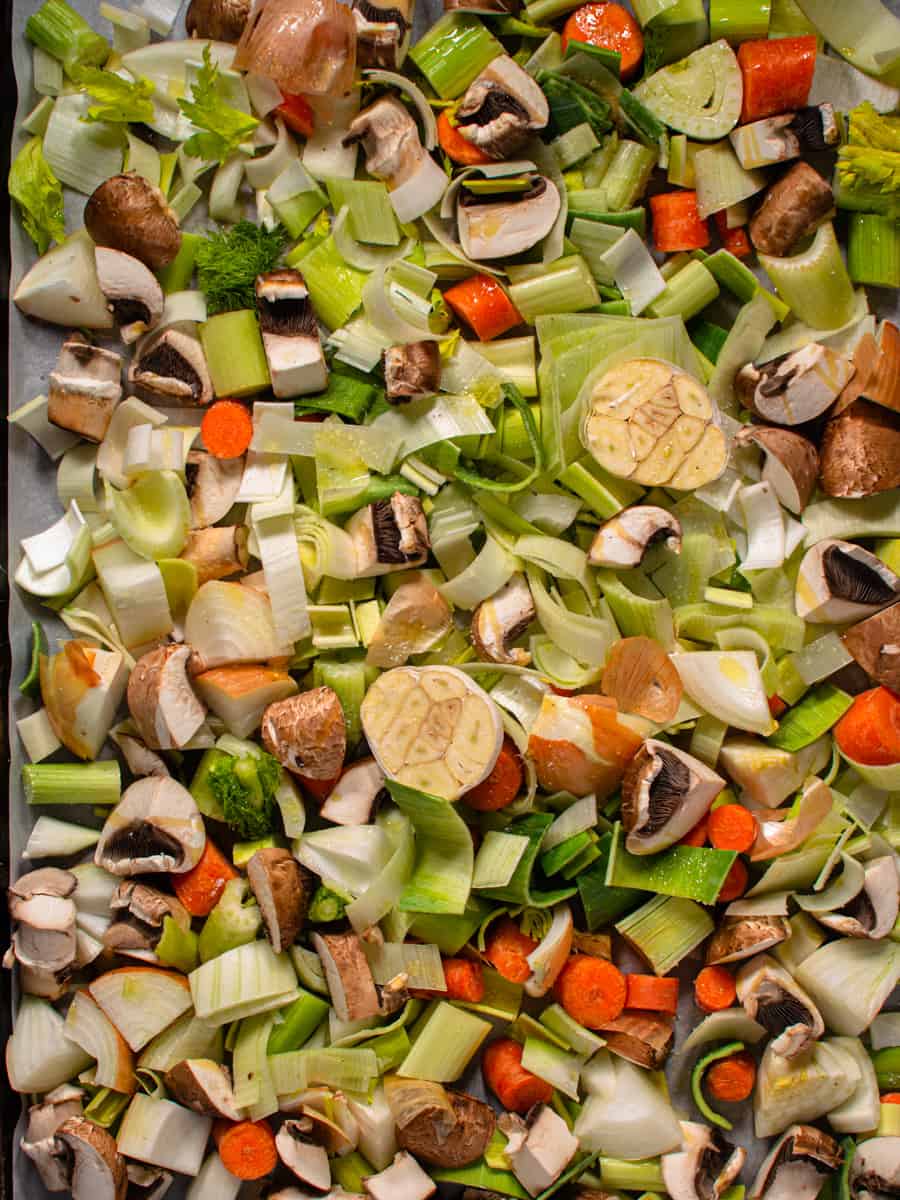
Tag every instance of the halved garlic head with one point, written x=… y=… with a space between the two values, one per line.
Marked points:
x=654 y=424
x=432 y=728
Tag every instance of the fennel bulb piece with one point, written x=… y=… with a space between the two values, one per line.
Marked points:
x=229 y=623
x=63 y=288
x=625 y=1116
x=792 y=1090
x=861 y=1111
x=39 y=1056
x=700 y=95
x=135 y=593
x=850 y=980
x=164 y=1134
x=153 y=516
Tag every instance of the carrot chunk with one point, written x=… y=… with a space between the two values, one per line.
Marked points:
x=735 y=241
x=611 y=27
x=677 y=224
x=227 y=429
x=732 y=827
x=651 y=993
x=465 y=980
x=458 y=148
x=869 y=731
x=200 y=888
x=731 y=1079
x=508 y=949
x=246 y=1148
x=699 y=835
x=777 y=75
x=714 y=989
x=502 y=785
x=735 y=882
x=481 y=302
x=591 y=990
x=515 y=1088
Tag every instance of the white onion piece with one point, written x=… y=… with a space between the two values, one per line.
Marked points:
x=420 y=193
x=728 y=685
x=264 y=170
x=39 y=1057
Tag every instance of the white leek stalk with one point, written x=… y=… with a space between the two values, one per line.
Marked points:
x=80 y=153
x=420 y=962
x=280 y=557
x=134 y=590
x=764 y=526
x=486 y=575
x=729 y=685
x=148 y=450
x=111 y=453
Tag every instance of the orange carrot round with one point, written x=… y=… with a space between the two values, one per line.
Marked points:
x=502 y=785
x=227 y=429
x=732 y=827
x=458 y=148
x=714 y=989
x=651 y=993
x=777 y=75
x=869 y=731
x=890 y=1098
x=481 y=302
x=507 y=950
x=200 y=888
x=591 y=990
x=516 y=1089
x=731 y=1079
x=611 y=27
x=246 y=1148
x=697 y=836
x=735 y=882
x=677 y=224
x=464 y=979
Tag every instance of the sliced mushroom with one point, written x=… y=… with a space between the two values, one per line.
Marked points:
x=742 y=937
x=792 y=207
x=170 y=369
x=307 y=733
x=790 y=463
x=382 y=32
x=45 y=881
x=771 y=997
x=138 y=759
x=98 y=1170
x=132 y=292
x=353 y=797
x=147 y=1183
x=539 y=1148
x=129 y=214
x=449 y=1144
x=796 y=387
x=875 y=644
x=389 y=535
x=290 y=334
x=644 y=1038
x=840 y=581
x=860 y=451
x=161 y=700
x=156 y=826
x=404 y=1179
x=502 y=618
x=394 y=153
x=84 y=388
x=705 y=1168
x=217 y=551
x=349 y=977
x=411 y=371
x=875 y=1169
x=220 y=20
x=212 y=486
x=328 y=1133
x=502 y=108
x=139 y=912
x=786 y=136
x=44 y=941
x=505 y=223
x=307 y=1160
x=624 y=540
x=40 y=1143
x=665 y=792
x=417 y=618
x=279 y=886
x=203 y=1086
x=797 y=1165
x=872 y=913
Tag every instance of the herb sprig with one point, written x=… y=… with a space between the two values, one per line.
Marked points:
x=229 y=261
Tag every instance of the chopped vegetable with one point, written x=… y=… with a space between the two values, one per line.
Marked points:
x=482 y=303
x=464 y=979
x=508 y=949
x=503 y=784
x=676 y=223
x=228 y=263
x=732 y=827
x=591 y=990
x=227 y=429
x=246 y=1148
x=714 y=989
x=869 y=731
x=609 y=26
x=200 y=889
x=777 y=75
x=517 y=1090
x=650 y=993
x=222 y=127
x=458 y=148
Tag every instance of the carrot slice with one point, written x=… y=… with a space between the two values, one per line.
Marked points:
x=735 y=882
x=297 y=114
x=731 y=1079
x=200 y=888
x=508 y=949
x=227 y=429
x=652 y=994
x=591 y=990
x=246 y=1148
x=677 y=224
x=611 y=27
x=732 y=827
x=869 y=731
x=458 y=148
x=516 y=1089
x=502 y=785
x=465 y=980
x=890 y=1098
x=777 y=75
x=481 y=302
x=698 y=836
x=735 y=241
x=714 y=989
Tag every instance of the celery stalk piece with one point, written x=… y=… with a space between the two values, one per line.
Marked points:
x=539 y=12
x=787 y=19
x=738 y=20
x=95 y=783
x=62 y=32
x=445 y=1039
x=454 y=51
x=603 y=493
x=344 y=1068
x=694 y=873
x=815 y=283
x=734 y=275
x=566 y=286
x=372 y=218
x=665 y=930
x=574 y=145
x=687 y=293
x=648 y=11
x=642 y=1176
x=873 y=516
x=234 y=353
x=334 y=287
x=873 y=250
x=629 y=172
x=634 y=613
x=176 y=277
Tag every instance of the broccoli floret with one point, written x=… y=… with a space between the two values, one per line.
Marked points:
x=245 y=789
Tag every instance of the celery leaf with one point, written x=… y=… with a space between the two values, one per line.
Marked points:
x=221 y=128
x=120 y=101
x=38 y=193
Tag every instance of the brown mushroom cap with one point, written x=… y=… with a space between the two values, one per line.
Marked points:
x=792 y=207
x=791 y=463
x=461 y=1143
x=99 y=1170
x=221 y=20
x=875 y=644
x=860 y=452
x=279 y=886
x=307 y=733
x=742 y=937
x=128 y=213
x=353 y=992
x=203 y=1086
x=161 y=699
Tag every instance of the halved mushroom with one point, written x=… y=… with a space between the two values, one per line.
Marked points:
x=212 y=486
x=502 y=108
x=338 y=1136
x=156 y=826
x=138 y=759
x=217 y=551
x=147 y=1183
x=793 y=206
x=872 y=912
x=875 y=1170
x=307 y=733
x=797 y=1165
x=170 y=368
x=771 y=997
x=790 y=463
x=351 y=800
x=875 y=644
x=411 y=370
x=743 y=937
x=290 y=334
x=139 y=912
x=502 y=618
x=449 y=1144
x=860 y=451
x=504 y=223
x=382 y=32
x=389 y=535
x=132 y=292
x=278 y=883
x=98 y=1170
x=307 y=1160
x=795 y=387
x=349 y=977
x=644 y=1038
x=84 y=388
x=128 y=213
x=781 y=138
x=203 y=1086
x=220 y=20
x=840 y=581
x=705 y=1168
x=161 y=700
x=404 y=1179
x=44 y=942
x=40 y=1143
x=417 y=618
x=394 y=153
x=665 y=792
x=624 y=540
x=539 y=1148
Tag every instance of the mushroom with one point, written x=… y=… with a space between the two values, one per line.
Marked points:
x=327 y=1132
x=772 y=998
x=665 y=792
x=790 y=463
x=872 y=913
x=156 y=826
x=792 y=208
x=212 y=486
x=389 y=535
x=44 y=942
x=132 y=292
x=307 y=1160
x=786 y=136
x=500 y=224
x=40 y=1142
x=382 y=32
x=644 y=1038
x=539 y=1148
x=743 y=937
x=404 y=1179
x=147 y=1183
x=502 y=618
x=278 y=883
x=416 y=619
x=840 y=581
x=624 y=540
x=796 y=387
x=351 y=800
x=161 y=700
x=307 y=733
x=128 y=213
x=860 y=451
x=350 y=982
x=705 y=1168
x=875 y=1169
x=797 y=1165
x=290 y=334
x=434 y=1139
x=170 y=369
x=203 y=1086
x=139 y=912
x=98 y=1170
x=84 y=388
x=138 y=759
x=411 y=371
x=217 y=551
x=501 y=109
x=875 y=644
x=220 y=20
